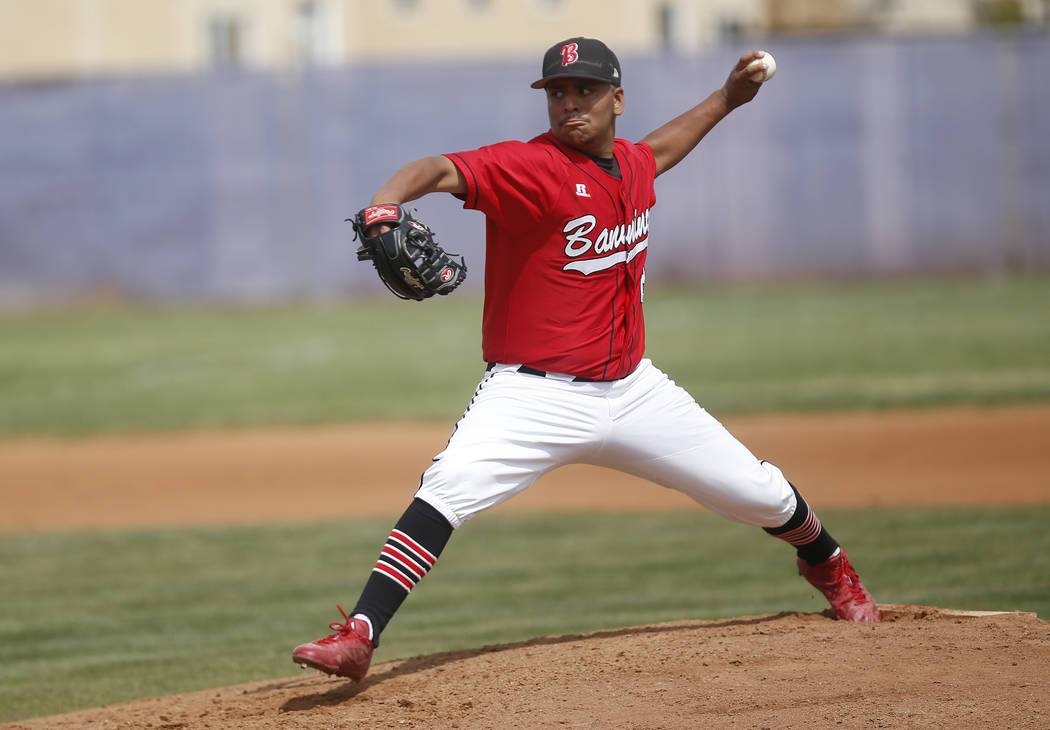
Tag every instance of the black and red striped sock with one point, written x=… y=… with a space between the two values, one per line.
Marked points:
x=812 y=541
x=408 y=555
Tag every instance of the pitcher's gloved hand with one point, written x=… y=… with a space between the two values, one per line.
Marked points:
x=407 y=258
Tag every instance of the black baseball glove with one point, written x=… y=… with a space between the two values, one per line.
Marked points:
x=406 y=257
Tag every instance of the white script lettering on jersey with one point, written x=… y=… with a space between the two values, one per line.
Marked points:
x=616 y=245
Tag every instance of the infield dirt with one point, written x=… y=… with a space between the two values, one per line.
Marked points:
x=921 y=667
x=891 y=458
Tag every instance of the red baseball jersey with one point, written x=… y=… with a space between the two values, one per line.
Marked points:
x=565 y=254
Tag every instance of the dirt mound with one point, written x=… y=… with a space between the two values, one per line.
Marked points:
x=921 y=667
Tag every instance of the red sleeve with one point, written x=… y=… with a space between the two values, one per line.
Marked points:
x=511 y=182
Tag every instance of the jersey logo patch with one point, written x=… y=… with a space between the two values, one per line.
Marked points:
x=581 y=191
x=617 y=245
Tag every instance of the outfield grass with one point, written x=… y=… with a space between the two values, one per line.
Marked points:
x=857 y=346
x=799 y=346
x=105 y=617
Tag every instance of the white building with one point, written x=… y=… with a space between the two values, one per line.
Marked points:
x=69 y=38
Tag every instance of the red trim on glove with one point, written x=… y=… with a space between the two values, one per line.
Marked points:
x=383 y=213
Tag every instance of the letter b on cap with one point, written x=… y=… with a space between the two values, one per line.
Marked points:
x=570 y=53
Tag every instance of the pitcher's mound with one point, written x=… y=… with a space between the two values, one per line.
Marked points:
x=920 y=667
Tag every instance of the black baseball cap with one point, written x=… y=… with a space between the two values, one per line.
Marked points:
x=579 y=57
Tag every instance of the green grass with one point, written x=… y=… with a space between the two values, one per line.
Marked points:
x=113 y=616
x=745 y=348
x=139 y=369
x=857 y=346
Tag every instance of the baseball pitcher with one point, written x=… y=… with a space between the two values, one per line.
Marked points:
x=563 y=334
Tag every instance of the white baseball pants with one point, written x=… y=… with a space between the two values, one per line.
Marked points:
x=520 y=426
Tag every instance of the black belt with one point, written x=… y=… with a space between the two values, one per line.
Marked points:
x=543 y=374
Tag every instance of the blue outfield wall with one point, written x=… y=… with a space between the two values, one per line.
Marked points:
x=862 y=157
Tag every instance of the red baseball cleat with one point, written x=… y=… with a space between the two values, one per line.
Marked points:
x=347 y=652
x=841 y=585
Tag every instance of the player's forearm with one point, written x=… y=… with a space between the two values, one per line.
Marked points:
x=676 y=139
x=419 y=178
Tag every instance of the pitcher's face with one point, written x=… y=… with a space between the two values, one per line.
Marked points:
x=583 y=113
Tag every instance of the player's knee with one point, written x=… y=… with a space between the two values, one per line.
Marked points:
x=465 y=475
x=779 y=496
x=467 y=487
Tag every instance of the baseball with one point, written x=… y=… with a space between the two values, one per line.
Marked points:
x=758 y=76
